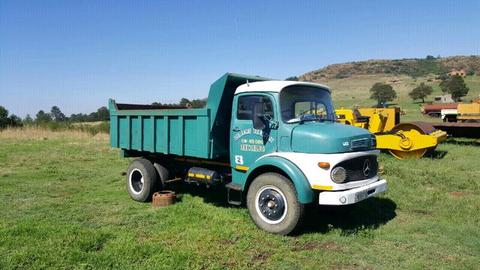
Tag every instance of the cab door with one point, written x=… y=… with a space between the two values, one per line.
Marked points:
x=249 y=143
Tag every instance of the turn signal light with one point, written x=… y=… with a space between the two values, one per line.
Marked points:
x=324 y=165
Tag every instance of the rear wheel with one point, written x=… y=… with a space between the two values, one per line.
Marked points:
x=141 y=180
x=273 y=204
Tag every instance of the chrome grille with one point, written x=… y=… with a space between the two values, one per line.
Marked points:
x=356 y=168
x=360 y=143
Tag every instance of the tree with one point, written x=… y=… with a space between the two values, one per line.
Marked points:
x=57 y=114
x=421 y=92
x=92 y=117
x=43 y=117
x=455 y=86
x=14 y=121
x=3 y=112
x=78 y=117
x=3 y=117
x=184 y=102
x=382 y=93
x=103 y=114
x=5 y=121
x=28 y=120
x=198 y=103
x=293 y=78
x=195 y=103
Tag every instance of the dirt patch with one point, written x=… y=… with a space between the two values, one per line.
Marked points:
x=350 y=267
x=457 y=194
x=227 y=242
x=330 y=245
x=305 y=246
x=262 y=256
x=258 y=258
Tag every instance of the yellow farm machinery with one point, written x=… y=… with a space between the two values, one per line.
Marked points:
x=402 y=140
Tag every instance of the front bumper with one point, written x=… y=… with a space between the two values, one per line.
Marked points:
x=352 y=195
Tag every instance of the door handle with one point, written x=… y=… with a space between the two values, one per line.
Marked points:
x=236 y=129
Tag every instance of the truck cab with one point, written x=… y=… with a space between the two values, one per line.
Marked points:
x=290 y=128
x=275 y=145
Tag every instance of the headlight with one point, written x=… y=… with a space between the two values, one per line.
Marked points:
x=339 y=175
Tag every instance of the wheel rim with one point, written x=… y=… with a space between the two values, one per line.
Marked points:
x=415 y=128
x=136 y=181
x=271 y=204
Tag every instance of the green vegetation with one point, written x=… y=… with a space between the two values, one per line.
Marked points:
x=382 y=93
x=8 y=121
x=292 y=78
x=421 y=92
x=64 y=205
x=185 y=102
x=455 y=86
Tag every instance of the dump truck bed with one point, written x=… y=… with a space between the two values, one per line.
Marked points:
x=147 y=128
x=201 y=133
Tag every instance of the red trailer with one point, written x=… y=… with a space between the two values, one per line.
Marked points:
x=434 y=110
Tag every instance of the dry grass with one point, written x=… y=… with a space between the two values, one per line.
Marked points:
x=39 y=133
x=96 y=123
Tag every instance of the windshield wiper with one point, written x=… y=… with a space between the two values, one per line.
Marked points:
x=309 y=117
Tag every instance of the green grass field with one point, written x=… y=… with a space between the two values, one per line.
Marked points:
x=64 y=206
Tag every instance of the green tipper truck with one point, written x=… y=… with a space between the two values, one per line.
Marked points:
x=274 y=145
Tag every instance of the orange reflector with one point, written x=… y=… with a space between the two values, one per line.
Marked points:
x=324 y=165
x=319 y=187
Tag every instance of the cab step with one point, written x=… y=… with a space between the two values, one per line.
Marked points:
x=234 y=193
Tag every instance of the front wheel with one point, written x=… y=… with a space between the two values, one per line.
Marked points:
x=273 y=204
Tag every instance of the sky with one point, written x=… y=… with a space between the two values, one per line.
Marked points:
x=78 y=54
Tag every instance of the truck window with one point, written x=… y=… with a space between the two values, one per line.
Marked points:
x=247 y=103
x=298 y=100
x=309 y=107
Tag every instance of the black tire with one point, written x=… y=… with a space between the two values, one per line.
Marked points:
x=141 y=180
x=163 y=175
x=273 y=204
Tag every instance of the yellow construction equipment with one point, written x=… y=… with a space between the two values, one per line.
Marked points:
x=402 y=140
x=468 y=112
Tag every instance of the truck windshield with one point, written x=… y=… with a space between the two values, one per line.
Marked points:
x=304 y=103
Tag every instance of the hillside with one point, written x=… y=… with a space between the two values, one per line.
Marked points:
x=410 y=67
x=350 y=82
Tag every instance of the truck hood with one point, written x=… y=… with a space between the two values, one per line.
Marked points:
x=329 y=137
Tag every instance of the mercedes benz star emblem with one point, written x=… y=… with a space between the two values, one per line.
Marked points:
x=366 y=167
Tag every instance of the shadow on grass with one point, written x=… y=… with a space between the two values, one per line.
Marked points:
x=216 y=195
x=437 y=154
x=350 y=219
x=463 y=141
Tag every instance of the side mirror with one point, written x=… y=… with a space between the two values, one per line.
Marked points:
x=258 y=116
